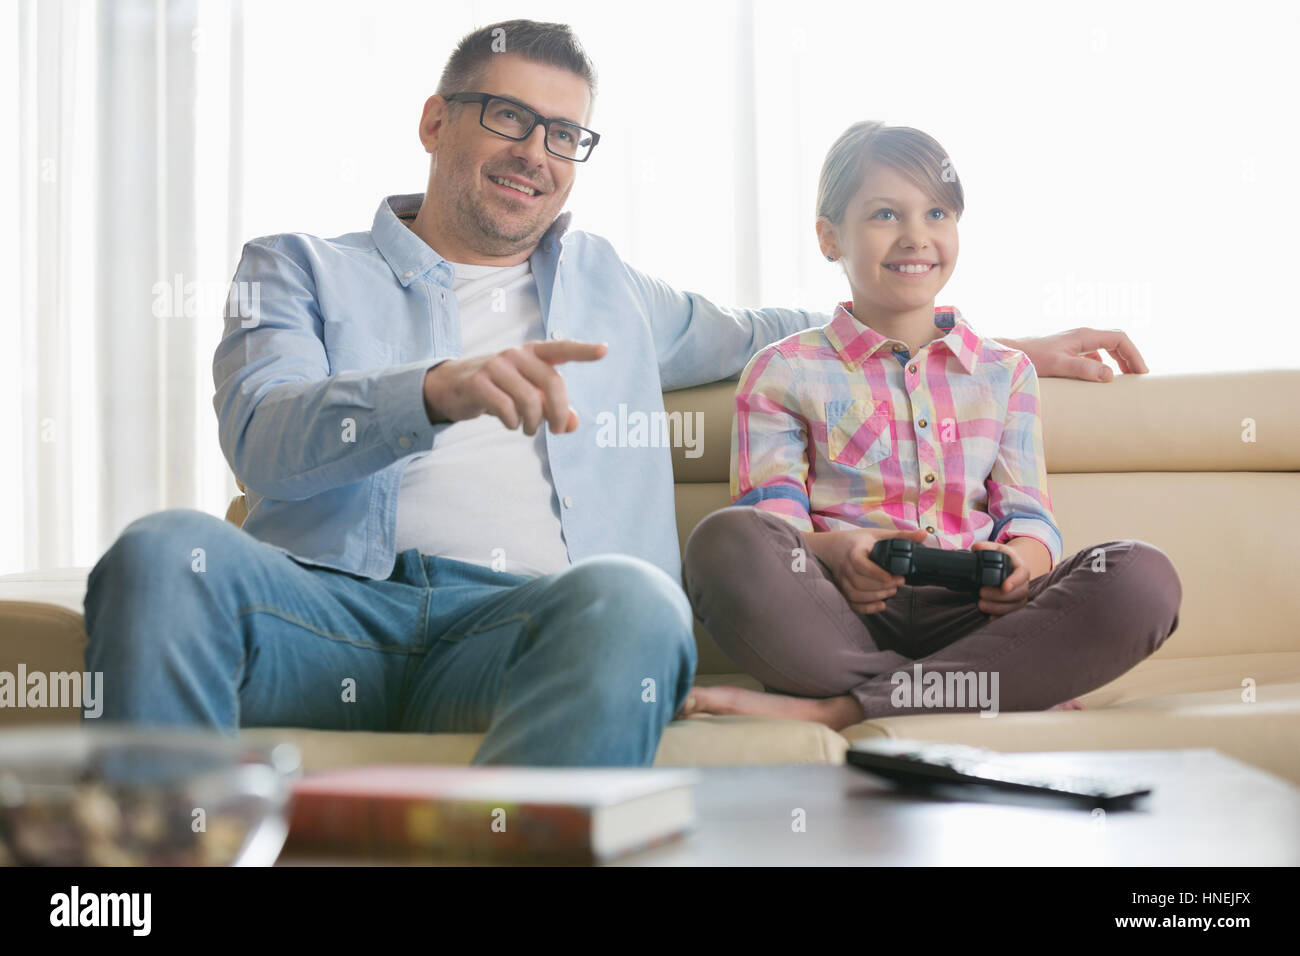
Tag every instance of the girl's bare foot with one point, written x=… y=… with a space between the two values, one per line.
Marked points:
x=1068 y=705
x=835 y=712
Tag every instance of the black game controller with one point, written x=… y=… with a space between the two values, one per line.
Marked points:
x=966 y=571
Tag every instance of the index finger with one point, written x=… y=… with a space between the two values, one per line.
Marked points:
x=1118 y=345
x=563 y=350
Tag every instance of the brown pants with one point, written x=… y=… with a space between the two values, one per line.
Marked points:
x=793 y=630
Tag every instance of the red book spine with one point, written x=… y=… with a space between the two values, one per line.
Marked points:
x=401 y=826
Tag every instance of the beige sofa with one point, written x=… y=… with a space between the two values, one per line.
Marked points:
x=1168 y=460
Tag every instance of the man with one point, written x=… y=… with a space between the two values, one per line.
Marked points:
x=420 y=553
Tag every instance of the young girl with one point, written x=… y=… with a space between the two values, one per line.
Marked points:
x=898 y=420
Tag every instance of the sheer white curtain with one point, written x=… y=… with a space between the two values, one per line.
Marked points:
x=1125 y=166
x=121 y=249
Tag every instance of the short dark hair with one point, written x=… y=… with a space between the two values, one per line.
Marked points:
x=551 y=43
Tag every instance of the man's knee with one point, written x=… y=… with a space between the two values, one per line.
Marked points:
x=167 y=539
x=631 y=627
x=626 y=592
x=616 y=611
x=161 y=560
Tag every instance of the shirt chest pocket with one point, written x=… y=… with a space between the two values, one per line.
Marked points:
x=858 y=431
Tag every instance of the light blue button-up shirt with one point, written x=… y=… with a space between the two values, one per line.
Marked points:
x=320 y=374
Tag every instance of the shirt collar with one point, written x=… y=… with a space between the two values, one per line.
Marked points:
x=856 y=342
x=410 y=257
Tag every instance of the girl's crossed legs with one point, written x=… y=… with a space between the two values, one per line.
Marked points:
x=774 y=608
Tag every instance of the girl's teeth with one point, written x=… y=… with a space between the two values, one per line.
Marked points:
x=911 y=270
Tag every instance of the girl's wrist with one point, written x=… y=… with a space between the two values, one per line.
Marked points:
x=1034 y=554
x=822 y=543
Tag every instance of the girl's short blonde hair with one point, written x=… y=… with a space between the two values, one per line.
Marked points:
x=911 y=152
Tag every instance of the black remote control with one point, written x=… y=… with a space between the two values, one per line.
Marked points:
x=924 y=763
x=966 y=571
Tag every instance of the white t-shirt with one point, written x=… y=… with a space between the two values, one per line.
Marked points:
x=484 y=493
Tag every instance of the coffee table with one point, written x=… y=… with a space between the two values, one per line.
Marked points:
x=1206 y=809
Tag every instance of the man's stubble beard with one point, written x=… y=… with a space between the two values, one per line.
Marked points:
x=478 y=222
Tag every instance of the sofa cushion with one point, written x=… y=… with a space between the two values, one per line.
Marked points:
x=1160 y=704
x=1236 y=570
x=697 y=742
x=1220 y=676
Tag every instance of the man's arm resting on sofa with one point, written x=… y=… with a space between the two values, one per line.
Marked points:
x=1075 y=354
x=699 y=342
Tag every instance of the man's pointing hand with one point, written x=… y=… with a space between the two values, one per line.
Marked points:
x=520 y=386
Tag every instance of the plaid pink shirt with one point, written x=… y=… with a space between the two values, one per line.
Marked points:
x=839 y=427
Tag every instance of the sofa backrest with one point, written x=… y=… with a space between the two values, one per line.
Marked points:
x=1204 y=467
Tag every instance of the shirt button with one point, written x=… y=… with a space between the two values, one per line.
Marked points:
x=929 y=528
x=922 y=423
x=404 y=442
x=568 y=502
x=556 y=334
x=929 y=479
x=912 y=369
x=409 y=273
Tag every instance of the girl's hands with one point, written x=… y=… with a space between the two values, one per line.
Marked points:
x=864 y=584
x=1014 y=593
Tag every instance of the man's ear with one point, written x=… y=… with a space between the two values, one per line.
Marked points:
x=432 y=120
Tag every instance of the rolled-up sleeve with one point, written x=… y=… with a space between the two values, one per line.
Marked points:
x=1018 y=499
x=769 y=458
x=288 y=428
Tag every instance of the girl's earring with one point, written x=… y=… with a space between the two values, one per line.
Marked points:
x=830 y=258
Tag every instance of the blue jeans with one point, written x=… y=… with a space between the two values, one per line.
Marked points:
x=584 y=667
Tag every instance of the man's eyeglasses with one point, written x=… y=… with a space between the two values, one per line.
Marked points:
x=516 y=121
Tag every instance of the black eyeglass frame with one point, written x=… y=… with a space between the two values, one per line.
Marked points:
x=538 y=119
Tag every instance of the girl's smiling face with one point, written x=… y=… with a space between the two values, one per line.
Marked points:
x=898 y=244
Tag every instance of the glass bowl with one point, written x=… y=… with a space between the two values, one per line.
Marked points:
x=125 y=796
